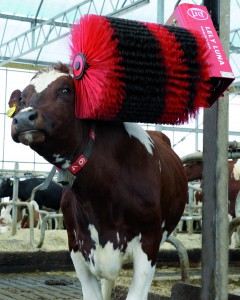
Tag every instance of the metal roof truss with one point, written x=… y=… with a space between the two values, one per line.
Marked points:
x=46 y=32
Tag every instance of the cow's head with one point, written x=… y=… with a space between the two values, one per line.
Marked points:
x=194 y=170
x=46 y=119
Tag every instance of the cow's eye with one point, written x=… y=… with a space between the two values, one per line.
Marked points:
x=66 y=90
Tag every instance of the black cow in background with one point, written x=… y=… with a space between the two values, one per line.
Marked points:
x=49 y=198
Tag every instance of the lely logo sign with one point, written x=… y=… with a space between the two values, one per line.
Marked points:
x=197 y=13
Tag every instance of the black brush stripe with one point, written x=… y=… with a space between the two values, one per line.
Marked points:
x=190 y=48
x=145 y=73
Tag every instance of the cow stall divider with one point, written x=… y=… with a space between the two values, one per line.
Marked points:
x=192 y=211
x=233 y=153
x=14 y=200
x=183 y=257
x=49 y=216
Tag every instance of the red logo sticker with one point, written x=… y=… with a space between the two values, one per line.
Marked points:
x=197 y=13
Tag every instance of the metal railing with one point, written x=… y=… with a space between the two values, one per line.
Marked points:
x=16 y=174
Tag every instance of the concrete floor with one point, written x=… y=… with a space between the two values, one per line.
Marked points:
x=44 y=286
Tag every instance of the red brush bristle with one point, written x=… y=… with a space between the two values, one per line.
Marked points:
x=101 y=83
x=177 y=93
x=177 y=85
x=138 y=72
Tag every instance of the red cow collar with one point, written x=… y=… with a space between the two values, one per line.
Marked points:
x=67 y=177
x=83 y=158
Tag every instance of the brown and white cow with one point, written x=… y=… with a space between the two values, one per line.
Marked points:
x=128 y=188
x=194 y=171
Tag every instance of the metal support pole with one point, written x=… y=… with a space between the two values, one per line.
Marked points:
x=160 y=11
x=15 y=198
x=215 y=171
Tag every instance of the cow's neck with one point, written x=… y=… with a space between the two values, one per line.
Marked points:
x=78 y=159
x=83 y=156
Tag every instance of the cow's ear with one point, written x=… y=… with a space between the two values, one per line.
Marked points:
x=14 y=103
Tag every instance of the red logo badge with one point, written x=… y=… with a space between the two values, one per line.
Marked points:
x=197 y=13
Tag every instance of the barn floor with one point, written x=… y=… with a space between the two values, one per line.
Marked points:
x=65 y=285
x=47 y=273
x=60 y=286
x=36 y=286
x=54 y=286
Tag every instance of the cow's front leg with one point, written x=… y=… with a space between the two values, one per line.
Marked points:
x=90 y=285
x=143 y=273
x=107 y=286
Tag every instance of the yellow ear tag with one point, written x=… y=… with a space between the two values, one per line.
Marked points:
x=11 y=111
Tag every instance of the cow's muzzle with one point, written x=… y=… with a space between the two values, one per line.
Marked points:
x=24 y=128
x=25 y=120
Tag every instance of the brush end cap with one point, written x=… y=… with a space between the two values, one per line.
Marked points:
x=79 y=65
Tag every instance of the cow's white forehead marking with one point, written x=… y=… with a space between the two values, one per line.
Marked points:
x=236 y=170
x=42 y=81
x=139 y=133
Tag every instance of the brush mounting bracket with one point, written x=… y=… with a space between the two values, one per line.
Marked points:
x=79 y=65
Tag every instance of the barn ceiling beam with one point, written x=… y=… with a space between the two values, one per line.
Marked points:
x=30 y=20
x=28 y=64
x=58 y=27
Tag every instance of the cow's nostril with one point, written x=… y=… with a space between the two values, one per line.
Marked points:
x=33 y=116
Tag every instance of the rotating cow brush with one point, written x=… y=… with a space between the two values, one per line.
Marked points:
x=138 y=72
